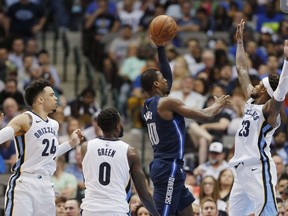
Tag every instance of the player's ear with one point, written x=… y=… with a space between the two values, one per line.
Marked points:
x=156 y=83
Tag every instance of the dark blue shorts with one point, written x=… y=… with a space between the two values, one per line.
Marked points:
x=170 y=194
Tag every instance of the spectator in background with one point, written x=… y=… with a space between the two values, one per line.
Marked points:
x=17 y=53
x=193 y=56
x=10 y=110
x=141 y=211
x=60 y=206
x=83 y=107
x=270 y=18
x=3 y=32
x=209 y=207
x=279 y=146
x=215 y=163
x=72 y=124
x=6 y=66
x=11 y=90
x=209 y=189
x=99 y=21
x=72 y=207
x=130 y=15
x=58 y=115
x=222 y=20
x=24 y=19
x=76 y=170
x=44 y=62
x=31 y=49
x=118 y=47
x=225 y=182
x=65 y=184
x=147 y=17
x=279 y=165
x=94 y=130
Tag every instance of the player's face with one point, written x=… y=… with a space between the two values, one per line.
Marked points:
x=50 y=100
x=162 y=83
x=256 y=92
x=209 y=209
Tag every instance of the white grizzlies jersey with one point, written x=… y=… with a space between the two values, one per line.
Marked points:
x=36 y=149
x=107 y=177
x=253 y=138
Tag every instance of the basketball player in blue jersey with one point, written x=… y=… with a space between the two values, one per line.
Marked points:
x=30 y=191
x=108 y=164
x=164 y=117
x=253 y=191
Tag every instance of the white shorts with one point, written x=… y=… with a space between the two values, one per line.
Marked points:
x=253 y=190
x=90 y=213
x=29 y=195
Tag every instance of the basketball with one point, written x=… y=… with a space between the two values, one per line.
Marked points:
x=162 y=28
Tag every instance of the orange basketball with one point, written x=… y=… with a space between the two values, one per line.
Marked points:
x=162 y=28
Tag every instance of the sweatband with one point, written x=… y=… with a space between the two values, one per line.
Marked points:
x=266 y=83
x=6 y=133
x=282 y=87
x=63 y=148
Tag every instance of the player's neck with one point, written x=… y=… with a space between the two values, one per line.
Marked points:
x=261 y=100
x=112 y=137
x=40 y=113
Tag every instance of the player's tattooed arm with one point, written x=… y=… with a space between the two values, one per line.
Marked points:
x=242 y=62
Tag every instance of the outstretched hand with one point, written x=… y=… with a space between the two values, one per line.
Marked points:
x=239 y=32
x=223 y=101
x=76 y=138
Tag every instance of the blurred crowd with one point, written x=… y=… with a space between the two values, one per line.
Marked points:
x=115 y=41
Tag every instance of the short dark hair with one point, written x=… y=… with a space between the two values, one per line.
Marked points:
x=108 y=119
x=33 y=89
x=60 y=199
x=273 y=81
x=147 y=79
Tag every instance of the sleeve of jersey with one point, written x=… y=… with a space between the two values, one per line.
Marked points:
x=164 y=66
x=6 y=133
x=282 y=87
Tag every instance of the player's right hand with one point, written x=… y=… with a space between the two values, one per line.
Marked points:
x=223 y=101
x=239 y=32
x=157 y=43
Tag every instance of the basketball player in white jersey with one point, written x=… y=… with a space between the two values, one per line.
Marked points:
x=30 y=191
x=107 y=165
x=253 y=191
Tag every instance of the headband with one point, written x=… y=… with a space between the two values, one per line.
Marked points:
x=266 y=83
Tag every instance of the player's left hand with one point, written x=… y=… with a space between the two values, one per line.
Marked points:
x=76 y=138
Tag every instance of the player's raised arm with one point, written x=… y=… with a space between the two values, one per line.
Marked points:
x=272 y=108
x=17 y=126
x=139 y=181
x=242 y=62
x=164 y=66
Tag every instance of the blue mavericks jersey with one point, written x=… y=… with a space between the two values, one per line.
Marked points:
x=167 y=137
